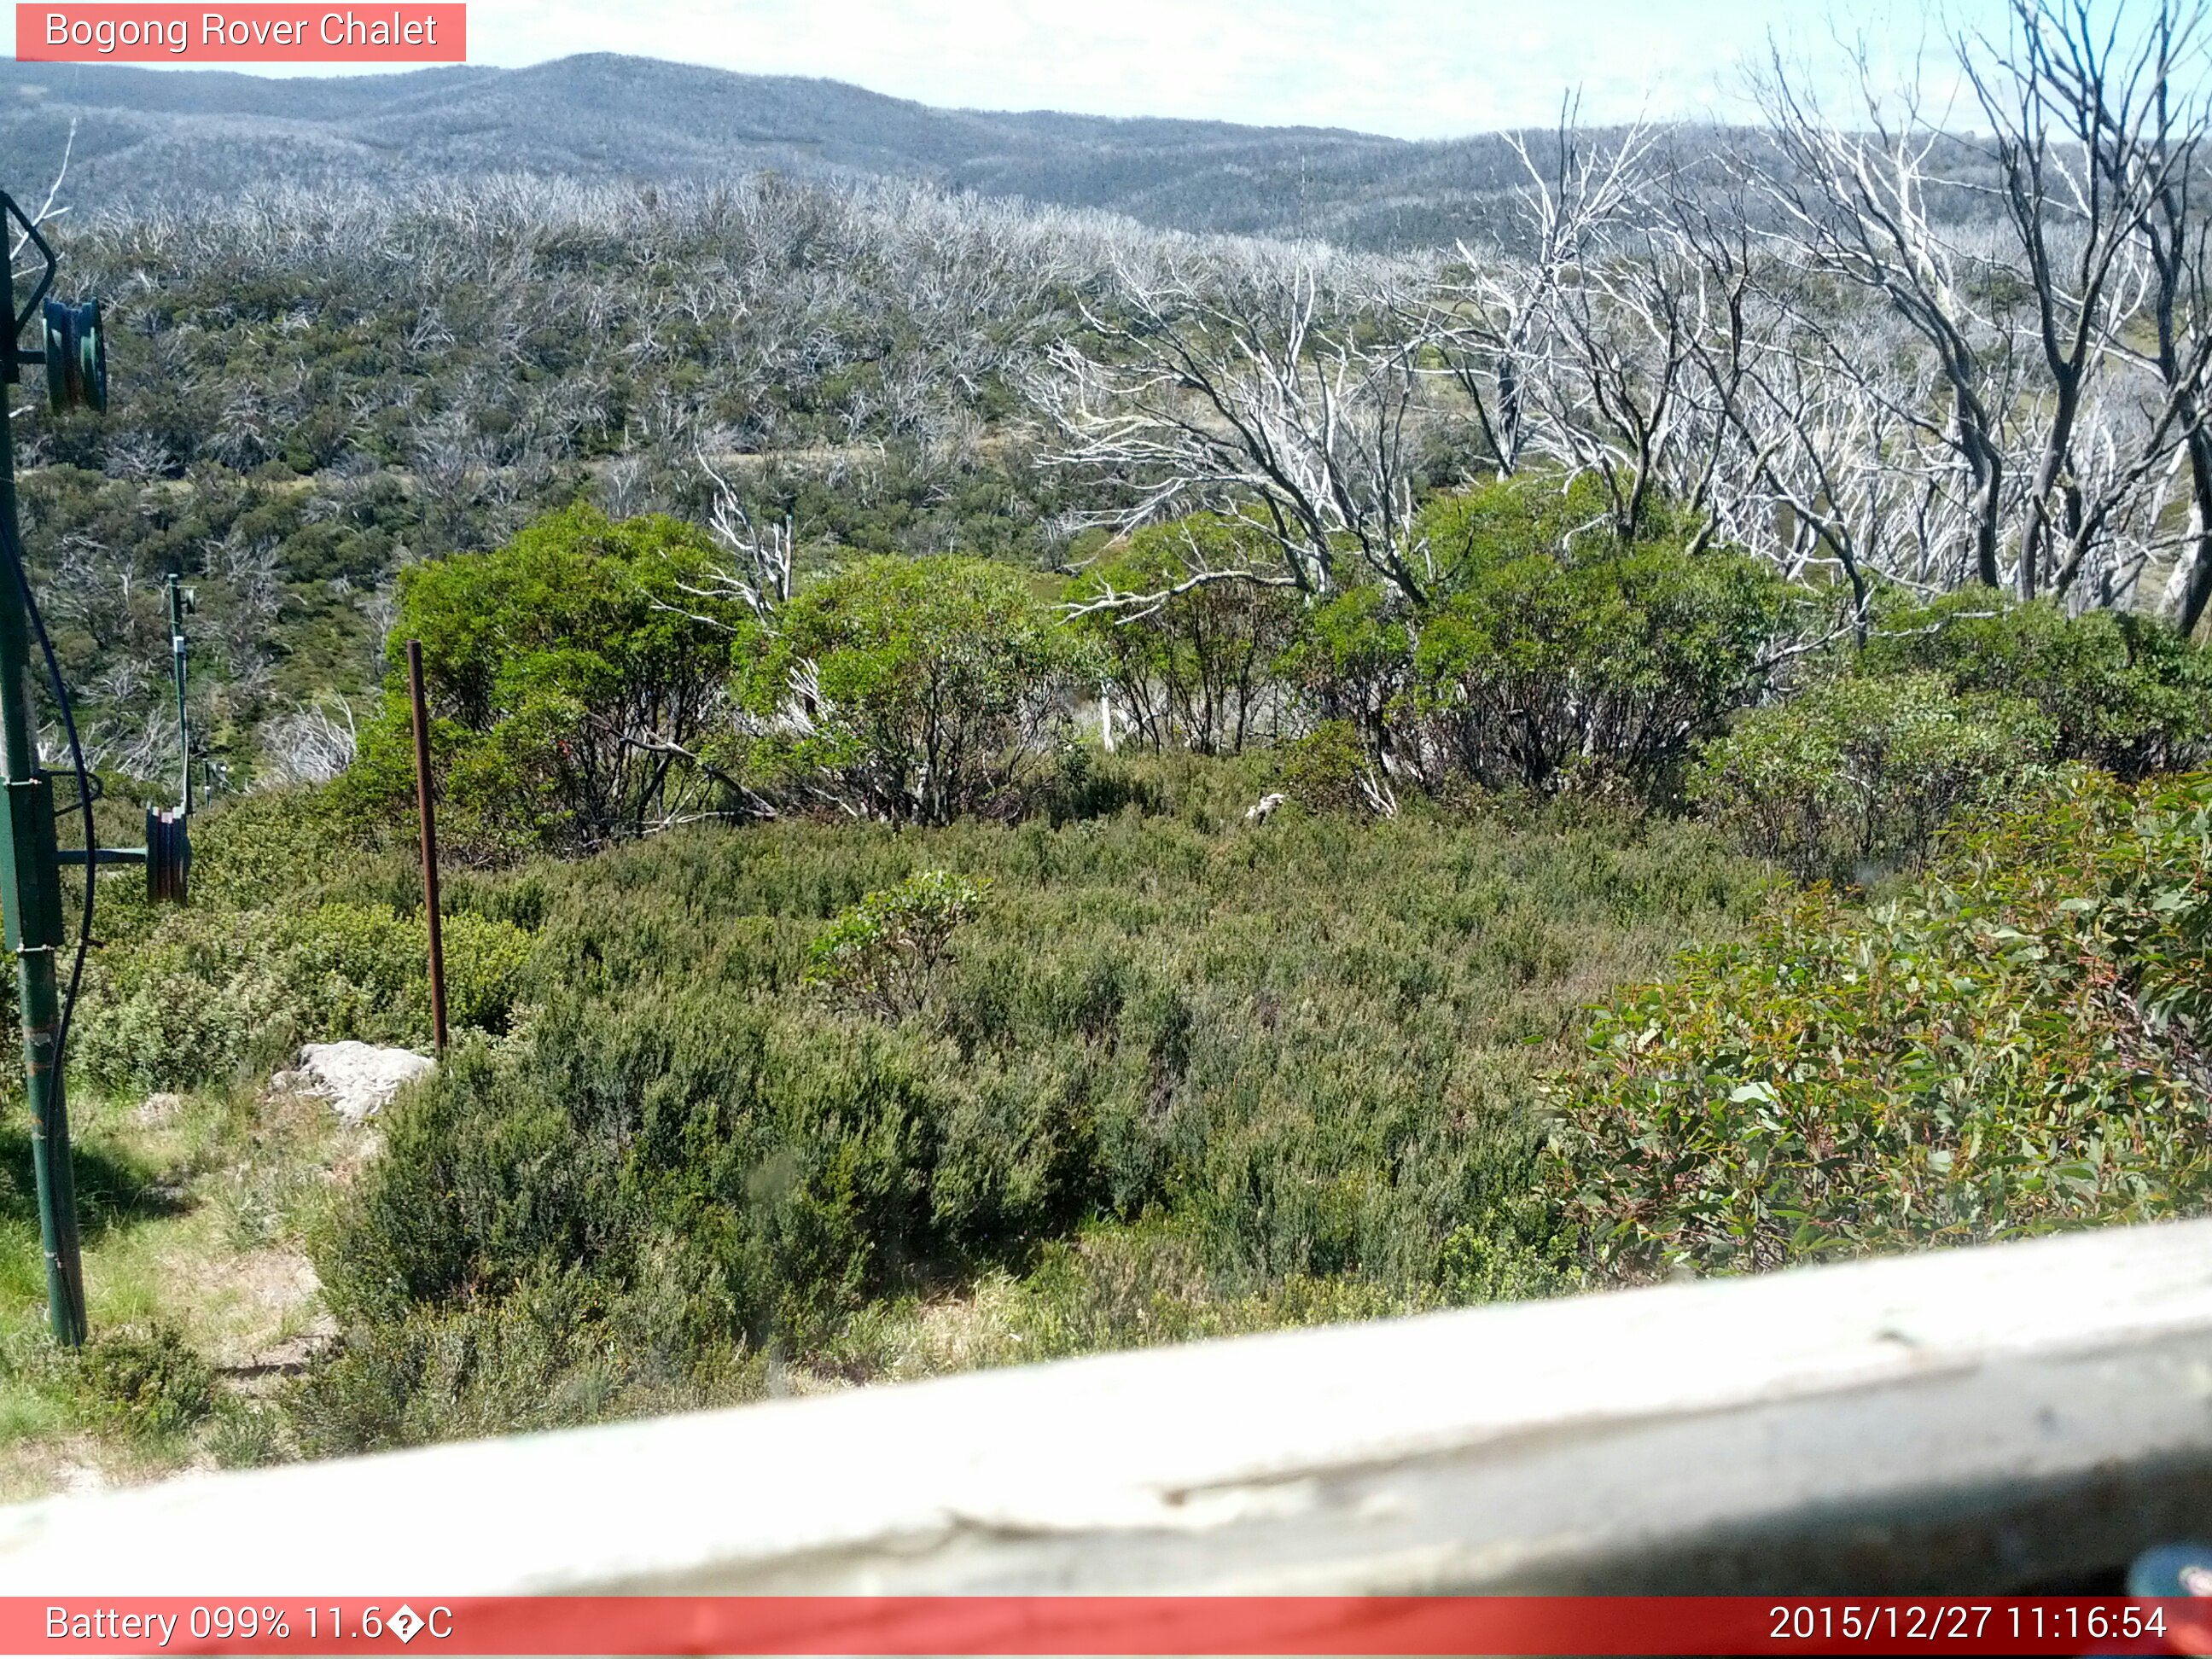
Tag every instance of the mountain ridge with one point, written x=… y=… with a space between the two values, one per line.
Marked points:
x=151 y=135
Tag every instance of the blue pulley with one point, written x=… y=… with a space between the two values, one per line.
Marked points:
x=77 y=356
x=168 y=854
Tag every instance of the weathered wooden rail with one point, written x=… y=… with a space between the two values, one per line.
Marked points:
x=2023 y=1416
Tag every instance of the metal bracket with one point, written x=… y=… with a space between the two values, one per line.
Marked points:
x=11 y=359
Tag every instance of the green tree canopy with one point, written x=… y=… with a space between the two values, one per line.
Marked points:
x=911 y=690
x=571 y=676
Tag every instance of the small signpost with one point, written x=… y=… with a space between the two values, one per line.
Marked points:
x=429 y=844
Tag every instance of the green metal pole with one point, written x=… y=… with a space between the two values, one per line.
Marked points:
x=177 y=666
x=30 y=889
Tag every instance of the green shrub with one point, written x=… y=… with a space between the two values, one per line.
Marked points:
x=2120 y=691
x=557 y=1352
x=252 y=849
x=1480 y=1265
x=1858 y=773
x=487 y=971
x=149 y=1381
x=884 y=952
x=2014 y=1045
x=194 y=1003
x=1151 y=1282
x=913 y=689
x=364 y=969
x=572 y=675
x=249 y=1434
x=1351 y=663
x=207 y=993
x=783 y=1167
x=1197 y=669
x=1553 y=657
x=1328 y=770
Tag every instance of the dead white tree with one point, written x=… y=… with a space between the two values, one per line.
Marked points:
x=758 y=573
x=1857 y=204
x=1493 y=322
x=1280 y=386
x=2068 y=337
x=2143 y=109
x=2086 y=144
x=49 y=208
x=1647 y=350
x=310 y=744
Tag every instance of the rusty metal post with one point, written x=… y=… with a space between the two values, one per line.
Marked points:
x=429 y=844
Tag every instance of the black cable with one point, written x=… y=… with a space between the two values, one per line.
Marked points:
x=99 y=793
x=84 y=795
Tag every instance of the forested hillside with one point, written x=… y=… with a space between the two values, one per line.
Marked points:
x=144 y=136
x=1015 y=781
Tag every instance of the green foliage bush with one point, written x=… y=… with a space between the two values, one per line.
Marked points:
x=1352 y=665
x=148 y=1379
x=779 y=1169
x=571 y=676
x=1328 y=770
x=363 y=968
x=1857 y=774
x=2120 y=691
x=2018 y=1043
x=1555 y=656
x=1150 y=1282
x=913 y=689
x=256 y=848
x=556 y=1352
x=207 y=993
x=1197 y=669
x=883 y=953
x=1549 y=656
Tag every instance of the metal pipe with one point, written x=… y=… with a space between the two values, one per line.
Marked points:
x=177 y=668
x=30 y=883
x=429 y=844
x=76 y=856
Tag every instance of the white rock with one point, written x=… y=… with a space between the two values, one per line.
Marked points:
x=161 y=1108
x=358 y=1078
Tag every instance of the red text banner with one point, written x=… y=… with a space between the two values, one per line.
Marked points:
x=1134 y=1624
x=257 y=34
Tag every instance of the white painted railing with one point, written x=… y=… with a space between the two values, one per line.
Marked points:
x=1980 y=1420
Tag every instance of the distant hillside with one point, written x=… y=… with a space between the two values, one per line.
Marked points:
x=152 y=135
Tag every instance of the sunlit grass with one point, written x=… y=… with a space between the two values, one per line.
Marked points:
x=160 y=1194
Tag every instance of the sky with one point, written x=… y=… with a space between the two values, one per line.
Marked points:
x=1413 y=69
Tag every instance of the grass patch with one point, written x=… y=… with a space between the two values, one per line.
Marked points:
x=185 y=1312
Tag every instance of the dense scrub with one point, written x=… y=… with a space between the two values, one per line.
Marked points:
x=1248 y=1073
x=823 y=1102
x=892 y=1025
x=2017 y=1042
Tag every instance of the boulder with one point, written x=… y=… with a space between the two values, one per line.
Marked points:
x=161 y=1108
x=358 y=1078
